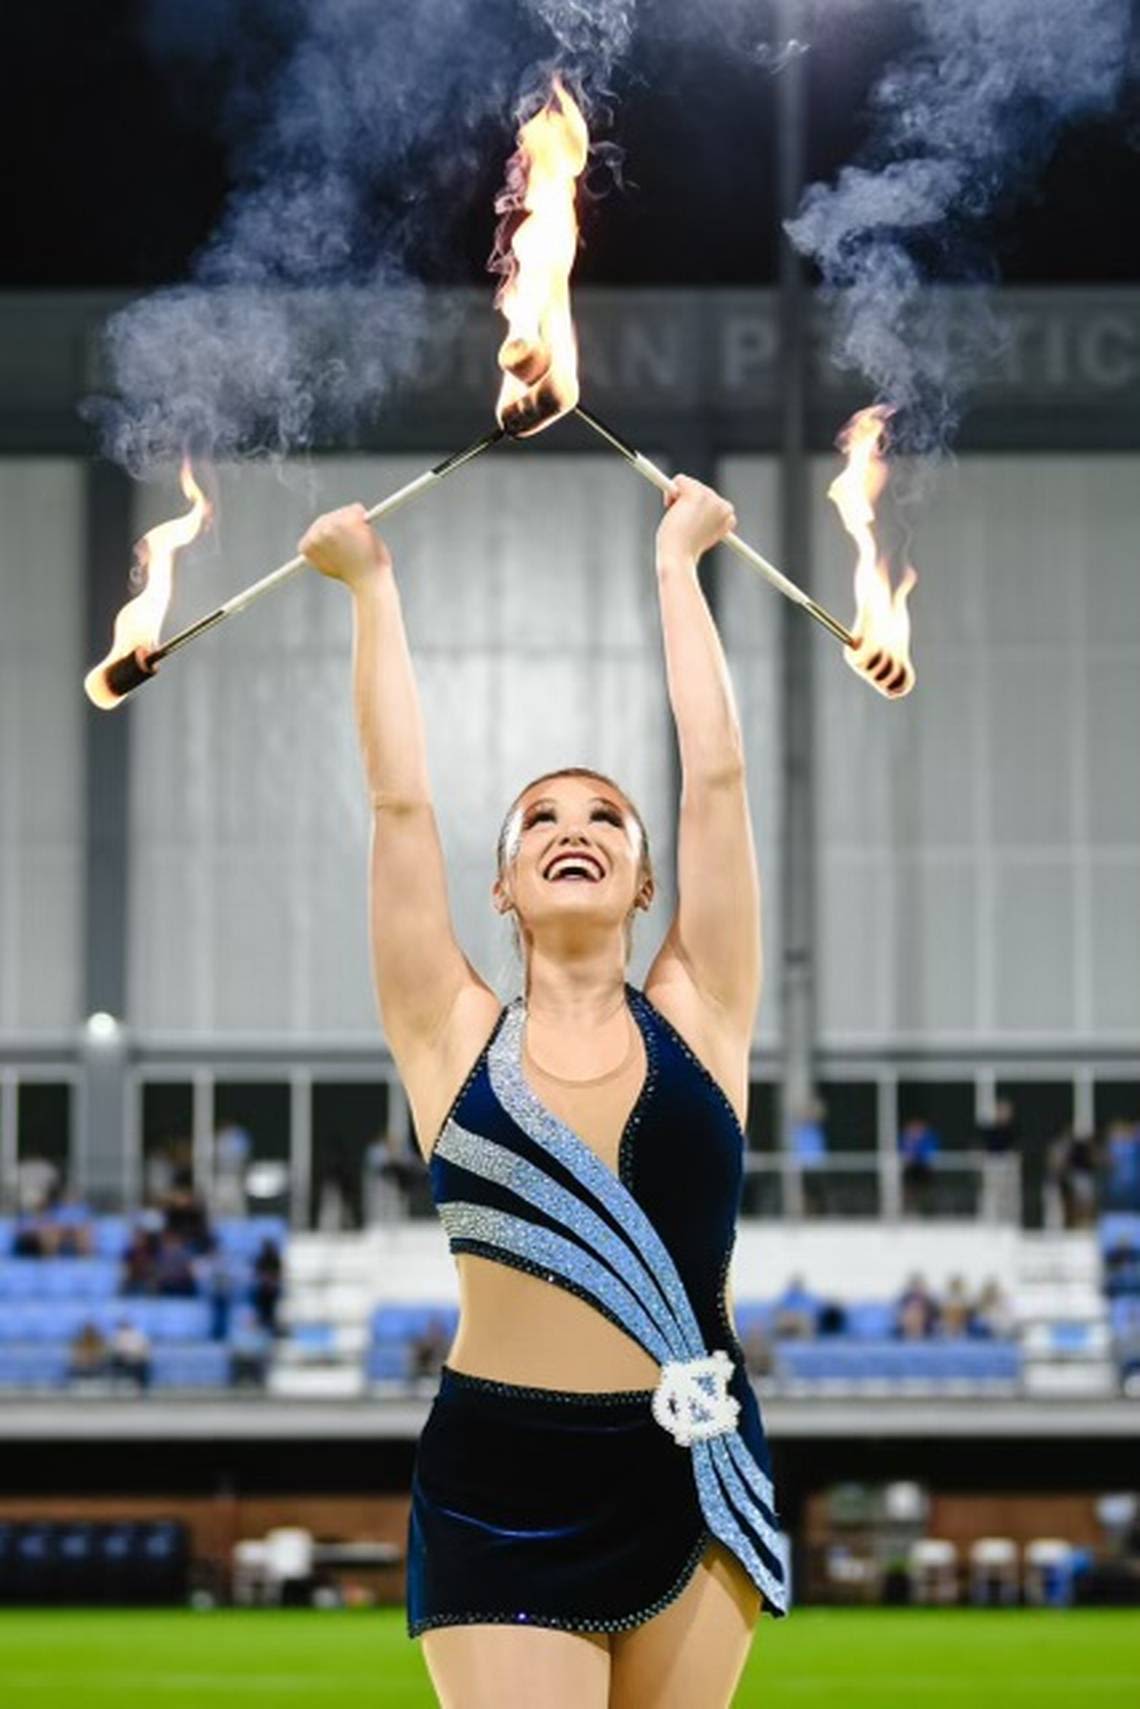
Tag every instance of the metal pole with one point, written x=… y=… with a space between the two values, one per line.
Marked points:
x=798 y=864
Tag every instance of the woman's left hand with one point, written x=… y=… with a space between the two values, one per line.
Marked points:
x=696 y=518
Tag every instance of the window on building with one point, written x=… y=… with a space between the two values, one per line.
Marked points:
x=356 y=1162
x=43 y=1138
x=948 y=1105
x=1042 y=1109
x=167 y=1128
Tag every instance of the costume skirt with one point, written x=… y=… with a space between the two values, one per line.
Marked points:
x=545 y=1507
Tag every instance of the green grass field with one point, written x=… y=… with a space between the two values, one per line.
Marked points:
x=878 y=1659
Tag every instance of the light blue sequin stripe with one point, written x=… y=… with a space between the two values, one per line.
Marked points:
x=563 y=1257
x=504 y=1063
x=764 y=1524
x=723 y=1523
x=493 y=1162
x=754 y=1477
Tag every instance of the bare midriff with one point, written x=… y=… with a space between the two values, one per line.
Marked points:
x=517 y=1328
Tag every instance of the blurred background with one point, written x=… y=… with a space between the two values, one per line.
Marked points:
x=224 y=1298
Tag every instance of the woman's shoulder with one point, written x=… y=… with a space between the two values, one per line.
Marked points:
x=711 y=1038
x=434 y=1074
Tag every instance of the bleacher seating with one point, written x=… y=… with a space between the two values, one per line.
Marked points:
x=46 y=1302
x=842 y=1362
x=863 y=1354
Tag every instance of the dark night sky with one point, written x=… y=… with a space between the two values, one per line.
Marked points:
x=113 y=178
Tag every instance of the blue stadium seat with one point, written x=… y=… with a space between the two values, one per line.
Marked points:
x=162 y=1319
x=44 y=1320
x=850 y=1361
x=870 y=1320
x=79 y=1278
x=389 y=1361
x=112 y=1236
x=196 y=1365
x=1124 y=1315
x=6 y=1227
x=315 y=1339
x=21 y=1278
x=398 y=1322
x=753 y=1314
x=23 y=1366
x=1119 y=1228
x=242 y=1237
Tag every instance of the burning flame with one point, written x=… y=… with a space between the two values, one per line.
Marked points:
x=882 y=620
x=138 y=624
x=535 y=244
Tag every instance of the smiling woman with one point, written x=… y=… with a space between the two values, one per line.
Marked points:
x=585 y=1148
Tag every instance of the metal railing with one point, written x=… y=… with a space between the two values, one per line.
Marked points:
x=967 y=1184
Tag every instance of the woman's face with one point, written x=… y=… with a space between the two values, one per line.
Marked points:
x=573 y=858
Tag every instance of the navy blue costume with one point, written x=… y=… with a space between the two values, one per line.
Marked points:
x=589 y=1511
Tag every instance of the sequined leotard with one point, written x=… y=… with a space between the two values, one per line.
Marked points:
x=590 y=1511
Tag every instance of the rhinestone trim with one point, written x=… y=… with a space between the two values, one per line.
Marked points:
x=621 y=1623
x=468 y=1082
x=521 y=1391
x=725 y=1526
x=564 y=1257
x=517 y=1261
x=494 y=1162
x=568 y=1148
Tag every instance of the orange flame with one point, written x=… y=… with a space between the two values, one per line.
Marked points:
x=882 y=620
x=535 y=253
x=138 y=624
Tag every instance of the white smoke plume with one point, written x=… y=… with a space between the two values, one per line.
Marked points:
x=962 y=125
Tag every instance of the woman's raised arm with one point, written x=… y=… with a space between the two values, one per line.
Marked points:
x=418 y=966
x=714 y=939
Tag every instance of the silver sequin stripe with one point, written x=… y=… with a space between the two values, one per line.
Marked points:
x=504 y=1063
x=560 y=1256
x=722 y=1521
x=493 y=1162
x=747 y=1507
x=758 y=1483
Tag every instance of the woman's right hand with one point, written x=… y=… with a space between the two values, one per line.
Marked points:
x=343 y=545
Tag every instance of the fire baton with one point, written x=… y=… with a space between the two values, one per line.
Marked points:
x=131 y=671
x=661 y=480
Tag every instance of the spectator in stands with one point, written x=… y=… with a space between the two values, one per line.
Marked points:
x=916 y=1314
x=219 y=1284
x=140 y=1261
x=1122 y=1161
x=992 y=1316
x=184 y=1214
x=384 y=1176
x=1000 y=1136
x=796 y=1314
x=37 y=1178
x=1071 y=1170
x=757 y=1345
x=428 y=1349
x=89 y=1354
x=233 y=1146
x=250 y=1349
x=267 y=1285
x=1122 y=1267
x=918 y=1147
x=27 y=1238
x=130 y=1355
x=173 y=1269
x=809 y=1148
x=957 y=1313
x=65 y=1225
